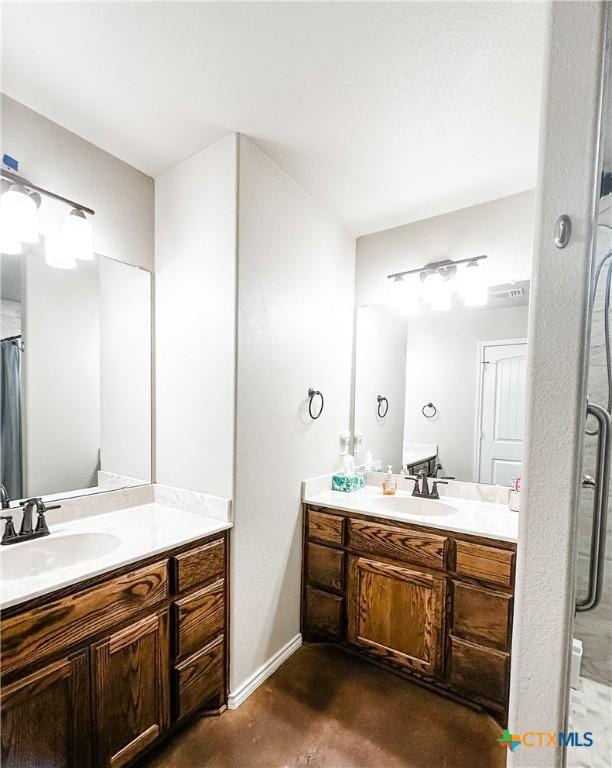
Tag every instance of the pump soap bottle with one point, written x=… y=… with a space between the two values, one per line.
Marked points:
x=389 y=484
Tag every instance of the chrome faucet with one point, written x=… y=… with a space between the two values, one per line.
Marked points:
x=424 y=492
x=26 y=531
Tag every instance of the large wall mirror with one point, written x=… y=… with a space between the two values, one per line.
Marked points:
x=75 y=376
x=444 y=391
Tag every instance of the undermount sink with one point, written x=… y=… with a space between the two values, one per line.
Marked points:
x=411 y=505
x=39 y=556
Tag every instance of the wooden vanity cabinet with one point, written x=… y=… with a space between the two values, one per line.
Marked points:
x=45 y=716
x=94 y=675
x=431 y=604
x=397 y=614
x=130 y=696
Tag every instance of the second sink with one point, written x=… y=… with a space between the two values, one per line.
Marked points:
x=412 y=506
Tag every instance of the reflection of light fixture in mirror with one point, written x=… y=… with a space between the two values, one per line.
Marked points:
x=396 y=292
x=437 y=280
x=78 y=235
x=19 y=214
x=436 y=290
x=474 y=292
x=56 y=254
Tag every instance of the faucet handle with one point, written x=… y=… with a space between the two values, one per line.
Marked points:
x=9 y=529
x=41 y=523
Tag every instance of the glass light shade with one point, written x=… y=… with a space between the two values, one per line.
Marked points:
x=56 y=254
x=19 y=214
x=441 y=302
x=78 y=236
x=411 y=299
x=474 y=290
x=397 y=287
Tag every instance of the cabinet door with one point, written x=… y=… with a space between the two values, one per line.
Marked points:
x=397 y=614
x=130 y=678
x=46 y=717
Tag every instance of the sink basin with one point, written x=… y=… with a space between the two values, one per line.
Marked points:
x=410 y=505
x=39 y=556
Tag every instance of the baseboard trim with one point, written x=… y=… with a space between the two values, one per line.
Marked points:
x=242 y=693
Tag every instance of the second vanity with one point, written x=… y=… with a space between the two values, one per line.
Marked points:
x=104 y=656
x=422 y=587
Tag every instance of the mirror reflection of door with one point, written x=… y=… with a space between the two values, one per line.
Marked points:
x=503 y=367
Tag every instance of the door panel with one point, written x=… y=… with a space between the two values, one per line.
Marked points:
x=397 y=613
x=130 y=674
x=46 y=717
x=502 y=414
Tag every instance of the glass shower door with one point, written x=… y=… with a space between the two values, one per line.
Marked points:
x=591 y=690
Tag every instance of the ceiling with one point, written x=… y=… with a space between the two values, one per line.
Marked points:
x=384 y=112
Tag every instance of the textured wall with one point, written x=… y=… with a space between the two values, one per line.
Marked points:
x=195 y=326
x=295 y=327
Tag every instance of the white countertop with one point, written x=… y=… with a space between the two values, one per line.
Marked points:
x=142 y=531
x=479 y=518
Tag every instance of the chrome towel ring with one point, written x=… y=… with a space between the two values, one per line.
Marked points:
x=312 y=393
x=431 y=410
x=380 y=407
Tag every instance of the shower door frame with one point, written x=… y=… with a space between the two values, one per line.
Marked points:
x=568 y=183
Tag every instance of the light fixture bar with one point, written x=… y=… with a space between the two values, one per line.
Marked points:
x=16 y=179
x=435 y=265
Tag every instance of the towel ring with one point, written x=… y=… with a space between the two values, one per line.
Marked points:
x=432 y=410
x=380 y=406
x=312 y=393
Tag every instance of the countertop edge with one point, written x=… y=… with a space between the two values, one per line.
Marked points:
x=322 y=500
x=216 y=526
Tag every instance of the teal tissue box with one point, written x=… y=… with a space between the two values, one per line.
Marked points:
x=347 y=483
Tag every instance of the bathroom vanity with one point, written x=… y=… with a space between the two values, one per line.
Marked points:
x=97 y=672
x=429 y=602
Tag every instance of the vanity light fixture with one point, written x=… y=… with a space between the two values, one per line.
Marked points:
x=435 y=285
x=19 y=206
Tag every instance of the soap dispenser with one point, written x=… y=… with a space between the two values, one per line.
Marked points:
x=389 y=485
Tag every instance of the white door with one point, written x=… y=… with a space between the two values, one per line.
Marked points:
x=502 y=411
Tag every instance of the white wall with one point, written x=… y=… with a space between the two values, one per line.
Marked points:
x=195 y=265
x=125 y=369
x=63 y=162
x=61 y=373
x=441 y=367
x=503 y=229
x=380 y=369
x=296 y=281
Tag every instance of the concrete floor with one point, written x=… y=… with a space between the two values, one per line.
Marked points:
x=325 y=708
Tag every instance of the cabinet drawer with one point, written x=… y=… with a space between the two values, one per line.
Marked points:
x=66 y=621
x=480 y=671
x=199 y=565
x=325 y=567
x=323 y=613
x=485 y=563
x=199 y=678
x=326 y=528
x=199 y=618
x=481 y=615
x=397 y=543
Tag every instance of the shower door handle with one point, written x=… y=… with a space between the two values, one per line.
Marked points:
x=600 y=509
